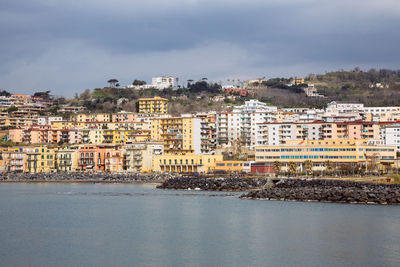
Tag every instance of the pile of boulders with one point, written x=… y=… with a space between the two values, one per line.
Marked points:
x=213 y=184
x=328 y=191
x=85 y=177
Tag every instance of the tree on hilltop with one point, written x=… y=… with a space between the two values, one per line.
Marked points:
x=138 y=82
x=113 y=82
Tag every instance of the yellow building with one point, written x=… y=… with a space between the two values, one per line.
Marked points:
x=297 y=81
x=337 y=151
x=185 y=163
x=181 y=135
x=67 y=159
x=41 y=159
x=156 y=105
x=229 y=166
x=98 y=117
x=93 y=136
x=63 y=125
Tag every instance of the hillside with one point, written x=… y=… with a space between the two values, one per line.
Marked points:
x=373 y=88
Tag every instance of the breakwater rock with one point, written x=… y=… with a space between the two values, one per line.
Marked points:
x=213 y=184
x=328 y=191
x=84 y=177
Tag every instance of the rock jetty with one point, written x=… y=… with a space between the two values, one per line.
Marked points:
x=328 y=191
x=84 y=177
x=213 y=184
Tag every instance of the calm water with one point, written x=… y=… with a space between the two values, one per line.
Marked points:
x=138 y=225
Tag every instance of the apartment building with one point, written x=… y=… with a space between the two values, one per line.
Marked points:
x=391 y=135
x=67 y=159
x=242 y=122
x=49 y=120
x=14 y=159
x=181 y=135
x=139 y=155
x=155 y=105
x=98 y=117
x=114 y=159
x=124 y=116
x=41 y=159
x=92 y=157
x=207 y=132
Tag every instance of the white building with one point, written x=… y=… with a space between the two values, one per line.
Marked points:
x=163 y=82
x=338 y=107
x=392 y=135
x=242 y=123
x=48 y=120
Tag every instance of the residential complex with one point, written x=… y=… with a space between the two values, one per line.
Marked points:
x=248 y=138
x=156 y=105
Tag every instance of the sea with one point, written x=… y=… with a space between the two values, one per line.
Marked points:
x=67 y=224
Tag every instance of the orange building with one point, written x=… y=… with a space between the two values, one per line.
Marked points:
x=100 y=158
x=20 y=99
x=229 y=166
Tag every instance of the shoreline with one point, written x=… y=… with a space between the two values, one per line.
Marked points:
x=83 y=181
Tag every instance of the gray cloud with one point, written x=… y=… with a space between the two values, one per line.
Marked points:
x=67 y=46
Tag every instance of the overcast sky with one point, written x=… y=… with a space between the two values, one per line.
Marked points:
x=68 y=46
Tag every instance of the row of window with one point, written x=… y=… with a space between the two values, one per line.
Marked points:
x=229 y=164
x=181 y=161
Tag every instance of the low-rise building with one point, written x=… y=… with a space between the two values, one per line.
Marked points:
x=320 y=151
x=235 y=166
x=189 y=163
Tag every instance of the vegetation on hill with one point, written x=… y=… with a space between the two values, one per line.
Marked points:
x=373 y=88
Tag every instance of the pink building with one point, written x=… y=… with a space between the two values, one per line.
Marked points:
x=16 y=135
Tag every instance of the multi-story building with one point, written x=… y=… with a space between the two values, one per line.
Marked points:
x=124 y=116
x=320 y=151
x=98 y=117
x=114 y=159
x=208 y=132
x=16 y=135
x=163 y=82
x=49 y=120
x=181 y=135
x=14 y=159
x=139 y=155
x=392 y=135
x=19 y=99
x=91 y=157
x=67 y=159
x=241 y=123
x=155 y=105
x=41 y=159
x=92 y=136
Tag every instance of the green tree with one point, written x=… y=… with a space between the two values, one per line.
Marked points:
x=112 y=82
x=12 y=109
x=292 y=168
x=138 y=82
x=329 y=167
x=277 y=167
x=308 y=165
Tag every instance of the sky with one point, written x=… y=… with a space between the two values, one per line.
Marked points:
x=68 y=46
